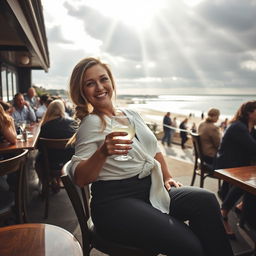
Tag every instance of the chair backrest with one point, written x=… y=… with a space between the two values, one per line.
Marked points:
x=13 y=163
x=197 y=146
x=81 y=207
x=47 y=144
x=53 y=143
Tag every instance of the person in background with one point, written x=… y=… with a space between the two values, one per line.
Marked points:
x=56 y=126
x=7 y=127
x=22 y=110
x=224 y=125
x=43 y=106
x=193 y=128
x=210 y=135
x=183 y=133
x=167 y=130
x=156 y=221
x=237 y=148
x=32 y=98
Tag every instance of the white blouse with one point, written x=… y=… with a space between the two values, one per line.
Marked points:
x=91 y=136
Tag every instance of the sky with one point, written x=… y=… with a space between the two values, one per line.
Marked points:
x=155 y=46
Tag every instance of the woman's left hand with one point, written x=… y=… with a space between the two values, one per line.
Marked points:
x=170 y=182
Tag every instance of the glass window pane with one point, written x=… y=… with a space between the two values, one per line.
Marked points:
x=4 y=84
x=9 y=82
x=14 y=81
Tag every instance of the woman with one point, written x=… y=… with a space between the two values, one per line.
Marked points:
x=238 y=148
x=7 y=127
x=210 y=135
x=131 y=199
x=56 y=126
x=183 y=133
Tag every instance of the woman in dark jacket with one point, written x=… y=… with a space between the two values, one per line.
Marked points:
x=238 y=148
x=56 y=126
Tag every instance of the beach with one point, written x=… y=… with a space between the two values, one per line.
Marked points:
x=153 y=116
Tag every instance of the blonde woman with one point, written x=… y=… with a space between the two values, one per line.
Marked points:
x=56 y=126
x=7 y=127
x=131 y=199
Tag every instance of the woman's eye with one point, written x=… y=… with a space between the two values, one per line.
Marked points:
x=89 y=84
x=104 y=79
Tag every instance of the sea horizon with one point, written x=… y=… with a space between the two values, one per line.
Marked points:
x=186 y=104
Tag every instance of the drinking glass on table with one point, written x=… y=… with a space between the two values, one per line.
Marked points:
x=123 y=123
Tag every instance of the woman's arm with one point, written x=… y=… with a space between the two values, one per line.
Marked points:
x=9 y=133
x=168 y=180
x=88 y=170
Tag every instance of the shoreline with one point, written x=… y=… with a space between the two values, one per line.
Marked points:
x=156 y=116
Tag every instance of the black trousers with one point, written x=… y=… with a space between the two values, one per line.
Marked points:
x=122 y=212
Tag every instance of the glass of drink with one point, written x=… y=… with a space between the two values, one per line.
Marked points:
x=123 y=123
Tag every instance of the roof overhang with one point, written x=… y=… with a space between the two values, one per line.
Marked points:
x=23 y=41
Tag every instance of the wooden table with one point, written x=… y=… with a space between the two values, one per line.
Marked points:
x=38 y=240
x=243 y=177
x=34 y=130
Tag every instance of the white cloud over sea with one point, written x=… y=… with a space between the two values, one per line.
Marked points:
x=174 y=46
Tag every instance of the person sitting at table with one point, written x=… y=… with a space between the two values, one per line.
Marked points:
x=237 y=148
x=32 y=98
x=22 y=109
x=44 y=102
x=210 y=135
x=136 y=202
x=56 y=126
x=7 y=127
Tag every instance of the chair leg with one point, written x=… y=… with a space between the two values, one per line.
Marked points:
x=201 y=180
x=46 y=196
x=193 y=178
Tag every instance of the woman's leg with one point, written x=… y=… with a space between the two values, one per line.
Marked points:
x=133 y=222
x=201 y=208
x=231 y=198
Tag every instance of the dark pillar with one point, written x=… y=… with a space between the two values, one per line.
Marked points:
x=24 y=79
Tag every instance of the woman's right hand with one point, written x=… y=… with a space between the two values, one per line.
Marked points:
x=115 y=145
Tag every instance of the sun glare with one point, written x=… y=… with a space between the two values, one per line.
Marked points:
x=138 y=14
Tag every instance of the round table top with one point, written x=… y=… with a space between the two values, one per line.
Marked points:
x=38 y=240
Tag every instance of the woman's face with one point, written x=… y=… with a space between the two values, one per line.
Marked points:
x=98 y=89
x=252 y=117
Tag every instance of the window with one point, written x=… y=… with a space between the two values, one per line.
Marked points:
x=8 y=82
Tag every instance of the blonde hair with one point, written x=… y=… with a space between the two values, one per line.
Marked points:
x=56 y=109
x=76 y=93
x=5 y=119
x=83 y=107
x=212 y=113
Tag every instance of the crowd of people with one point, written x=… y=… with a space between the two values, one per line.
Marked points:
x=56 y=120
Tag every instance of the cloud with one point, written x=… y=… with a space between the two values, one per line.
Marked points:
x=208 y=45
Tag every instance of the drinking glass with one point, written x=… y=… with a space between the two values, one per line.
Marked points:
x=121 y=123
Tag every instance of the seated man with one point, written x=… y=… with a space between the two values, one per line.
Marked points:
x=23 y=111
x=32 y=98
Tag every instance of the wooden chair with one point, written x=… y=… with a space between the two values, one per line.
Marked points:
x=10 y=165
x=47 y=144
x=201 y=168
x=90 y=238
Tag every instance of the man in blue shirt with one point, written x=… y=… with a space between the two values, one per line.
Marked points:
x=23 y=111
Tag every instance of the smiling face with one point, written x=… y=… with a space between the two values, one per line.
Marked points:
x=98 y=89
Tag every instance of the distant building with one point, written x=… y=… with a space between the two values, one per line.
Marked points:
x=23 y=45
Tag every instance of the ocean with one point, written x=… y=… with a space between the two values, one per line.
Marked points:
x=191 y=104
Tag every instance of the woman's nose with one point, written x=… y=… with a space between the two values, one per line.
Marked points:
x=99 y=85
